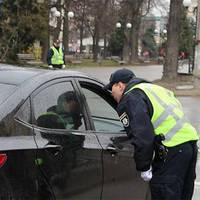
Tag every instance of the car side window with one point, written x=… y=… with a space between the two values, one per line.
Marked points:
x=57 y=107
x=104 y=116
x=24 y=114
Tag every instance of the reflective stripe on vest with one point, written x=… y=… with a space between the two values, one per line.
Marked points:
x=168 y=117
x=57 y=58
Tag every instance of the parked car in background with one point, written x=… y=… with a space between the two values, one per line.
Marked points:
x=60 y=138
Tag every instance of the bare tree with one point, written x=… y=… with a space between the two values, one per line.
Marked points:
x=99 y=22
x=132 y=11
x=171 y=59
x=66 y=7
x=81 y=6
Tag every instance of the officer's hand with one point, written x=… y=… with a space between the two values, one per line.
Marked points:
x=147 y=175
x=50 y=67
x=63 y=66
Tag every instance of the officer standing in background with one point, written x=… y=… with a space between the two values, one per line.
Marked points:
x=164 y=140
x=55 y=56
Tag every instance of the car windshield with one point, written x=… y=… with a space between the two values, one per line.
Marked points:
x=6 y=90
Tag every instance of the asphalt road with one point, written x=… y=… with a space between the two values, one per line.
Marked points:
x=191 y=105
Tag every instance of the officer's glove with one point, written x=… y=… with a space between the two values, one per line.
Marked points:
x=50 y=66
x=147 y=175
x=63 y=66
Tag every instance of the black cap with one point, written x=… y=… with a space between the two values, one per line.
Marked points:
x=121 y=75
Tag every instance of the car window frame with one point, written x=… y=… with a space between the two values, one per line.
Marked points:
x=22 y=121
x=76 y=90
x=98 y=89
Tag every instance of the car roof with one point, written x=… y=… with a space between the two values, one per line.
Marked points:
x=22 y=81
x=15 y=75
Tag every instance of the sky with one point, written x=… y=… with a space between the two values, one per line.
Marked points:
x=161 y=9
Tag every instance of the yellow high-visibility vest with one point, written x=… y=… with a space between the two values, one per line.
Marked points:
x=168 y=116
x=57 y=58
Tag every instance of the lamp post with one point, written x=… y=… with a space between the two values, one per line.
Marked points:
x=126 y=55
x=68 y=15
x=64 y=29
x=193 y=7
x=197 y=42
x=160 y=39
x=53 y=15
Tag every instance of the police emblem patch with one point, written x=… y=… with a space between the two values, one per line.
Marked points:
x=124 y=119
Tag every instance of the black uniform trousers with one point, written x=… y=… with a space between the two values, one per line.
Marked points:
x=173 y=178
x=57 y=66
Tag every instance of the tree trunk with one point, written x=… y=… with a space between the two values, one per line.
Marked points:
x=105 y=47
x=126 y=46
x=96 y=41
x=82 y=27
x=134 y=40
x=45 y=47
x=81 y=39
x=66 y=34
x=171 y=60
x=66 y=28
x=56 y=31
x=45 y=44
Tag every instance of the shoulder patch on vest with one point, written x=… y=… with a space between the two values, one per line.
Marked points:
x=124 y=119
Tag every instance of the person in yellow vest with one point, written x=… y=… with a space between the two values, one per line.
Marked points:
x=165 y=142
x=55 y=56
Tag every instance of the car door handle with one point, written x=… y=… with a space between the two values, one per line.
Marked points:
x=53 y=149
x=112 y=149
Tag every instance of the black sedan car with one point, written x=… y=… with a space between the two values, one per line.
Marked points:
x=61 y=138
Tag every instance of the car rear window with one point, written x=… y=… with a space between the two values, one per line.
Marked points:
x=5 y=91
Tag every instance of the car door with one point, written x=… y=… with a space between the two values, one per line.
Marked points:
x=121 y=180
x=18 y=173
x=72 y=160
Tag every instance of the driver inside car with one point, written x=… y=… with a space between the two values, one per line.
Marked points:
x=65 y=115
x=69 y=109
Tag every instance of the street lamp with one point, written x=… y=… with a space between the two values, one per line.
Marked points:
x=192 y=11
x=126 y=55
x=160 y=39
x=165 y=31
x=118 y=25
x=156 y=31
x=160 y=35
x=53 y=14
x=128 y=25
x=70 y=14
x=66 y=30
x=63 y=33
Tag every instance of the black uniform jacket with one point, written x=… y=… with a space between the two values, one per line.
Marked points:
x=135 y=111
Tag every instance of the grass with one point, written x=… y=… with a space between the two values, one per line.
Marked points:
x=91 y=63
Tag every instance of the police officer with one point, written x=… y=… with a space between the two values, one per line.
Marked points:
x=164 y=141
x=55 y=56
